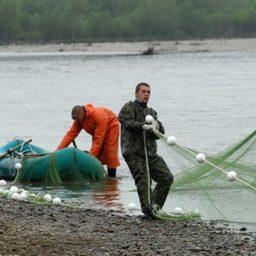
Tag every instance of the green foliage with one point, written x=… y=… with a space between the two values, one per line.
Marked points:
x=87 y=20
x=9 y=19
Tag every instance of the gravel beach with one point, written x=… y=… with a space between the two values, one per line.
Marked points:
x=28 y=229
x=211 y=45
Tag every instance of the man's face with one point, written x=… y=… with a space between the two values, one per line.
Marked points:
x=143 y=94
x=78 y=115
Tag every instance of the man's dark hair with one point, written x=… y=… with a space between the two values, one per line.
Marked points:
x=76 y=109
x=139 y=85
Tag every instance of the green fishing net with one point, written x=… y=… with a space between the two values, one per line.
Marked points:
x=68 y=165
x=239 y=157
x=203 y=186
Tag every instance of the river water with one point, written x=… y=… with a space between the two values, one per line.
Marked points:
x=206 y=100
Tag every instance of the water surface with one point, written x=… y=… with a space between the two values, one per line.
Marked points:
x=206 y=100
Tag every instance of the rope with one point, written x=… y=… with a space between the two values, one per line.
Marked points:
x=147 y=168
x=53 y=171
x=160 y=135
x=156 y=212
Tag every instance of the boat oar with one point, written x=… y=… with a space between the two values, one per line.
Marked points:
x=10 y=150
x=74 y=143
x=75 y=146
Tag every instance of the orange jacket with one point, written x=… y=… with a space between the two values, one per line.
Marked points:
x=103 y=125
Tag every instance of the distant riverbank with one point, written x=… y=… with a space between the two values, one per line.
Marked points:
x=212 y=45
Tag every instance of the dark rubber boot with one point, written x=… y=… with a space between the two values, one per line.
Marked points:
x=112 y=172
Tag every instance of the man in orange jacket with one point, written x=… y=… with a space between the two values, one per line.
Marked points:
x=103 y=125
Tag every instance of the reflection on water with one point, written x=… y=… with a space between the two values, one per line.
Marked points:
x=108 y=194
x=105 y=194
x=206 y=100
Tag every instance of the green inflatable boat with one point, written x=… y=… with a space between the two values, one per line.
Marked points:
x=22 y=161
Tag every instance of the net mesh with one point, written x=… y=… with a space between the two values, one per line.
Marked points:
x=68 y=165
x=206 y=187
x=239 y=157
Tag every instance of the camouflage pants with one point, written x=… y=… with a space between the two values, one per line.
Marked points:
x=159 y=172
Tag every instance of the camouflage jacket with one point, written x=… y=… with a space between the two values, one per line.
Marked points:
x=132 y=117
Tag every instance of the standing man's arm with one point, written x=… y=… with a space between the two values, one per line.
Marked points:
x=161 y=128
x=127 y=118
x=70 y=135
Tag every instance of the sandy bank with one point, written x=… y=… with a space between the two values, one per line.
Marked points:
x=213 y=45
x=26 y=229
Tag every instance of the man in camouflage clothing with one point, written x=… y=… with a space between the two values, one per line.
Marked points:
x=132 y=119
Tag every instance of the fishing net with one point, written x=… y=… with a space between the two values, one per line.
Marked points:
x=206 y=184
x=39 y=169
x=69 y=165
x=239 y=157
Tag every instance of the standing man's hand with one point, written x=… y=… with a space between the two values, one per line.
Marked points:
x=154 y=126
x=148 y=127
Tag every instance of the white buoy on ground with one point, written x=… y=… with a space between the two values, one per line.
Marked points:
x=149 y=119
x=18 y=166
x=23 y=190
x=14 y=189
x=197 y=212
x=178 y=210
x=2 y=183
x=15 y=196
x=56 y=200
x=132 y=206
x=232 y=175
x=200 y=157
x=47 y=197
x=23 y=196
x=171 y=140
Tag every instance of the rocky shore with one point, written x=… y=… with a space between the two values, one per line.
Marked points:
x=177 y=46
x=28 y=229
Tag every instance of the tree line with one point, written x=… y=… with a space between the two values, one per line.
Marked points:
x=125 y=20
